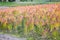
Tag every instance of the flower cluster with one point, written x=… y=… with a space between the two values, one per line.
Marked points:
x=44 y=16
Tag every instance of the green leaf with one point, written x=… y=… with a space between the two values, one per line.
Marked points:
x=10 y=27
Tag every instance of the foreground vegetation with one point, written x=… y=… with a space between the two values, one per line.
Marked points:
x=38 y=22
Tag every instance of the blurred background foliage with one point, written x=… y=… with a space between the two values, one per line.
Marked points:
x=28 y=2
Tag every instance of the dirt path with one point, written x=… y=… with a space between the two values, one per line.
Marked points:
x=9 y=37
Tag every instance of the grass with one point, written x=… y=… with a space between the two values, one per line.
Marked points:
x=17 y=3
x=24 y=3
x=8 y=4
